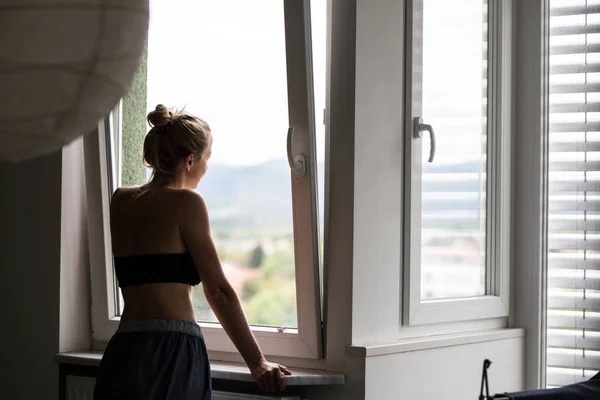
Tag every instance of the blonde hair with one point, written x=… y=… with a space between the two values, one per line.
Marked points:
x=173 y=136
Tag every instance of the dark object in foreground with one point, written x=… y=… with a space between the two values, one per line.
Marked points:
x=587 y=390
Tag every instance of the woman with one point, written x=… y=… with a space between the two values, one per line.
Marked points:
x=162 y=247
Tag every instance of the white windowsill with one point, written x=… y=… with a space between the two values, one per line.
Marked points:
x=432 y=342
x=219 y=370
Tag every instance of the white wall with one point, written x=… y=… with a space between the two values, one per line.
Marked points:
x=29 y=277
x=449 y=373
x=44 y=289
x=528 y=274
x=377 y=236
x=378 y=158
x=75 y=324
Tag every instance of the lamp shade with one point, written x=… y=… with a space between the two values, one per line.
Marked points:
x=64 y=64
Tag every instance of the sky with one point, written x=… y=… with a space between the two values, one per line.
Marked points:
x=453 y=78
x=225 y=62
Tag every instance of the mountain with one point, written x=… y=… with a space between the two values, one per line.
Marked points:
x=246 y=196
x=251 y=195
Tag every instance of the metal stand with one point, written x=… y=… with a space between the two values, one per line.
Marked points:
x=484 y=379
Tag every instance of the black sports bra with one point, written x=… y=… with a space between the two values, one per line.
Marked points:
x=156 y=268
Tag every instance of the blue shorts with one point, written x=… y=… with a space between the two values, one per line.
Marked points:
x=155 y=360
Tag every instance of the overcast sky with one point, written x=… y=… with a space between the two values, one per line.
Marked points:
x=225 y=61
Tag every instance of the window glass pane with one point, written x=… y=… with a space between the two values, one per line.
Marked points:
x=230 y=69
x=453 y=220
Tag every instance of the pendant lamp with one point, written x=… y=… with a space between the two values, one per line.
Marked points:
x=64 y=64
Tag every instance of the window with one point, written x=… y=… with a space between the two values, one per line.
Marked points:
x=457 y=167
x=250 y=75
x=573 y=243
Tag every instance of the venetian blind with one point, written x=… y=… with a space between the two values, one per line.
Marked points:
x=573 y=340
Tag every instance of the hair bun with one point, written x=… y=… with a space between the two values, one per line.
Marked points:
x=161 y=116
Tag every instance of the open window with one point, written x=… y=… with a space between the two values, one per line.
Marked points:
x=247 y=69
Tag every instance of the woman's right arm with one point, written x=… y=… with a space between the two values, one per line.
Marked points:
x=220 y=295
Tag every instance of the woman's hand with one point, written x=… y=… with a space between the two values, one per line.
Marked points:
x=269 y=376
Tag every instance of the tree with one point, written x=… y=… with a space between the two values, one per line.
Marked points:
x=257 y=257
x=271 y=299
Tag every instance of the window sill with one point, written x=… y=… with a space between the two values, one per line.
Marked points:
x=219 y=370
x=432 y=342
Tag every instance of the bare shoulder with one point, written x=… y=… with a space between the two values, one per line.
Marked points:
x=123 y=193
x=190 y=200
x=193 y=214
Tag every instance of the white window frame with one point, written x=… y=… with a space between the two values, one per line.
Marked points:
x=530 y=136
x=495 y=303
x=104 y=305
x=304 y=342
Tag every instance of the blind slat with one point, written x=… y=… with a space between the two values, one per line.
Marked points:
x=573 y=225
x=555 y=262
x=574 y=127
x=577 y=48
x=574 y=186
x=567 y=205
x=574 y=283
x=556 y=377
x=568 y=302
x=560 y=321
x=572 y=245
x=575 y=166
x=573 y=342
x=573 y=360
x=574 y=146
x=575 y=68
x=574 y=30
x=574 y=88
x=574 y=107
x=574 y=10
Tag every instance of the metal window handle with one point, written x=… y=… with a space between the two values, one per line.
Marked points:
x=297 y=163
x=419 y=127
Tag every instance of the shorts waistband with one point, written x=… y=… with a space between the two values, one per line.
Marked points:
x=161 y=325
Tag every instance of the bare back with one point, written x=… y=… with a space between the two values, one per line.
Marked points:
x=148 y=222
